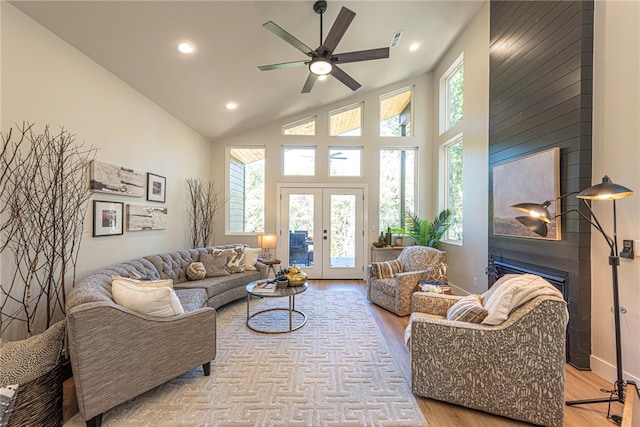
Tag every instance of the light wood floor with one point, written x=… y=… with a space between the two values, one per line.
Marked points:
x=578 y=384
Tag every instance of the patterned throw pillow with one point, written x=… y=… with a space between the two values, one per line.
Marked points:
x=386 y=269
x=235 y=260
x=215 y=264
x=196 y=271
x=25 y=360
x=468 y=309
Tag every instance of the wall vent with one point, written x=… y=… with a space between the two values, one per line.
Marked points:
x=395 y=39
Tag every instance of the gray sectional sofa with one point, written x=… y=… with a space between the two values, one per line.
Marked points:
x=117 y=354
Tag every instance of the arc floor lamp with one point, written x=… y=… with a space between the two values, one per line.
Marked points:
x=537 y=219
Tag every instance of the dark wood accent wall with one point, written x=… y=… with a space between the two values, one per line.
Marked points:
x=541 y=56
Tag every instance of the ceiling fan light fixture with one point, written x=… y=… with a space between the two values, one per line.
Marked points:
x=322 y=77
x=320 y=66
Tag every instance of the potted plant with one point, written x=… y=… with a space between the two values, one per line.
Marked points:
x=426 y=232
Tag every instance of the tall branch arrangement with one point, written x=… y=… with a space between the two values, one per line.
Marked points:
x=44 y=201
x=204 y=202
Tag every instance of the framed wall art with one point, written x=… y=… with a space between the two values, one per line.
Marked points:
x=107 y=218
x=156 y=188
x=140 y=218
x=107 y=178
x=530 y=179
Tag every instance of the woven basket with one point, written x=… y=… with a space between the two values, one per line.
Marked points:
x=39 y=402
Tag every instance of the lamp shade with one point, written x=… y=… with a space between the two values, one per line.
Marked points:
x=537 y=225
x=267 y=241
x=535 y=210
x=606 y=190
x=320 y=66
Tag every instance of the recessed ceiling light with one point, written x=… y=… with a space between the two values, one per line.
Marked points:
x=414 y=46
x=322 y=77
x=186 y=47
x=231 y=106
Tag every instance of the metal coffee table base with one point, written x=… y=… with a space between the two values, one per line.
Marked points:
x=290 y=310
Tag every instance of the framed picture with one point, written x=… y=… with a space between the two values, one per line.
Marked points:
x=107 y=178
x=141 y=218
x=530 y=179
x=107 y=218
x=156 y=188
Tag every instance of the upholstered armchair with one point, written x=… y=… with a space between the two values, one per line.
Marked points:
x=514 y=369
x=390 y=284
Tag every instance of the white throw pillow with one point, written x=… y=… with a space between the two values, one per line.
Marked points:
x=251 y=256
x=499 y=305
x=152 y=301
x=145 y=283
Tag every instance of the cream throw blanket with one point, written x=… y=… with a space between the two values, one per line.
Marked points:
x=513 y=293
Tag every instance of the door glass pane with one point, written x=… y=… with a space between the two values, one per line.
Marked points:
x=343 y=231
x=301 y=229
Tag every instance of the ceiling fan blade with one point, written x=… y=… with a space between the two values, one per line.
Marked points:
x=282 y=65
x=308 y=85
x=284 y=35
x=336 y=32
x=345 y=78
x=361 y=55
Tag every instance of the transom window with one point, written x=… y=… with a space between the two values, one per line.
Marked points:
x=346 y=121
x=299 y=161
x=304 y=127
x=395 y=113
x=345 y=161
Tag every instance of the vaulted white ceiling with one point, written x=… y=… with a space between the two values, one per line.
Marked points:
x=137 y=41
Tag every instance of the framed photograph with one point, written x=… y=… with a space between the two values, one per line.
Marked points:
x=156 y=188
x=142 y=218
x=107 y=178
x=107 y=218
x=532 y=179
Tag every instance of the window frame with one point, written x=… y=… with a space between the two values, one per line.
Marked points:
x=299 y=147
x=411 y=112
x=300 y=122
x=445 y=185
x=359 y=149
x=341 y=110
x=228 y=190
x=444 y=111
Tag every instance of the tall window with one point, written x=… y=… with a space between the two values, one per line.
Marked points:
x=397 y=186
x=346 y=121
x=300 y=161
x=451 y=153
x=246 y=190
x=304 y=127
x=452 y=95
x=395 y=113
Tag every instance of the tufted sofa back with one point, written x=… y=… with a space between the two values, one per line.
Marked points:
x=171 y=265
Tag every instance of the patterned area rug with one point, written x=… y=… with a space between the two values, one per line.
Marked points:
x=337 y=370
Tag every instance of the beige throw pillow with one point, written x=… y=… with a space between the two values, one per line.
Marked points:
x=215 y=264
x=251 y=256
x=150 y=283
x=158 y=302
x=196 y=271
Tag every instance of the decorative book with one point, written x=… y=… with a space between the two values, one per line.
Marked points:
x=264 y=287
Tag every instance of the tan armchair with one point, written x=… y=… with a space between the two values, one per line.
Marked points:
x=514 y=369
x=394 y=294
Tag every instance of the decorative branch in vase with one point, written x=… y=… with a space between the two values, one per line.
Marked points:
x=204 y=203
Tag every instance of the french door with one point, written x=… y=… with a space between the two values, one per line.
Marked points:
x=321 y=230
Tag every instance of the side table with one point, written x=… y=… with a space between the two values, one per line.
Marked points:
x=271 y=263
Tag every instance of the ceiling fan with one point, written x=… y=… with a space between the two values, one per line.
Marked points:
x=323 y=61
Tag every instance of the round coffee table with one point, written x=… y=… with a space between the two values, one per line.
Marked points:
x=291 y=292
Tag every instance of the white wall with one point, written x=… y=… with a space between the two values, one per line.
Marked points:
x=46 y=81
x=271 y=137
x=616 y=152
x=468 y=261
